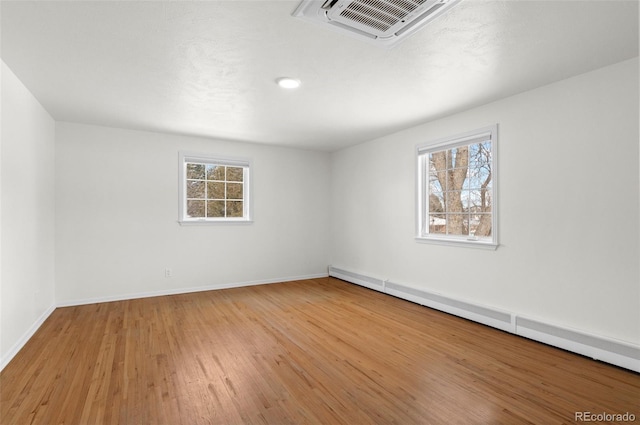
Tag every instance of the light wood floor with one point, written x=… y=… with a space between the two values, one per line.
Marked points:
x=319 y=351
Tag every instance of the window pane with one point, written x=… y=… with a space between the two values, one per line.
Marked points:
x=456 y=224
x=436 y=202
x=215 y=208
x=234 y=190
x=215 y=190
x=437 y=224
x=434 y=183
x=215 y=172
x=453 y=201
x=474 y=201
x=235 y=174
x=480 y=155
x=460 y=157
x=438 y=161
x=195 y=208
x=234 y=209
x=195 y=189
x=195 y=171
x=471 y=182
x=488 y=207
x=481 y=225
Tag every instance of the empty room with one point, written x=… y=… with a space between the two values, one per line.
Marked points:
x=319 y=212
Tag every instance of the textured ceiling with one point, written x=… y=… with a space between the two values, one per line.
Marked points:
x=209 y=68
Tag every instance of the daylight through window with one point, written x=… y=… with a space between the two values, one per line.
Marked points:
x=457 y=197
x=214 y=189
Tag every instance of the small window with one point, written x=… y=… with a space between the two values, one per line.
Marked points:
x=457 y=200
x=213 y=189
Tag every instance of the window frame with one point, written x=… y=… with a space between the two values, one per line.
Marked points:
x=208 y=159
x=422 y=188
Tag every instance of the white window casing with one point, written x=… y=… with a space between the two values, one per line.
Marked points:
x=427 y=222
x=243 y=210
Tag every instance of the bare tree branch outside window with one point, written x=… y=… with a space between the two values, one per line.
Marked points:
x=459 y=184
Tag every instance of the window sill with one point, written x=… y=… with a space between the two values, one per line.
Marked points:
x=467 y=243
x=214 y=222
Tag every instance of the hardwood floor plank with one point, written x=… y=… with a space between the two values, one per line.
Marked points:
x=309 y=352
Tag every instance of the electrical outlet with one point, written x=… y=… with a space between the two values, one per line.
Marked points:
x=167 y=272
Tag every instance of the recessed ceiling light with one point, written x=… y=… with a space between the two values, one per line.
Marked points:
x=288 y=83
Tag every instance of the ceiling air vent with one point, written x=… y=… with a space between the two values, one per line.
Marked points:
x=383 y=22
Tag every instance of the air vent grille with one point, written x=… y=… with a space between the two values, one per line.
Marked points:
x=368 y=19
x=380 y=15
x=382 y=21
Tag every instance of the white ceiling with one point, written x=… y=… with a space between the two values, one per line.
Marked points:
x=208 y=68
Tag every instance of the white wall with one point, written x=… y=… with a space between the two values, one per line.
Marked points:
x=568 y=214
x=27 y=204
x=117 y=211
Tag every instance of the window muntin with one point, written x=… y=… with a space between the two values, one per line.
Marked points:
x=213 y=189
x=456 y=190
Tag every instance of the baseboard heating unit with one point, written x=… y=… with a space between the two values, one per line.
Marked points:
x=597 y=347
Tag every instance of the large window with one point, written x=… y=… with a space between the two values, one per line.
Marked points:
x=456 y=190
x=213 y=189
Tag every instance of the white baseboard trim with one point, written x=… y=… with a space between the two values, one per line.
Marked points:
x=25 y=337
x=482 y=314
x=601 y=348
x=177 y=291
x=362 y=280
